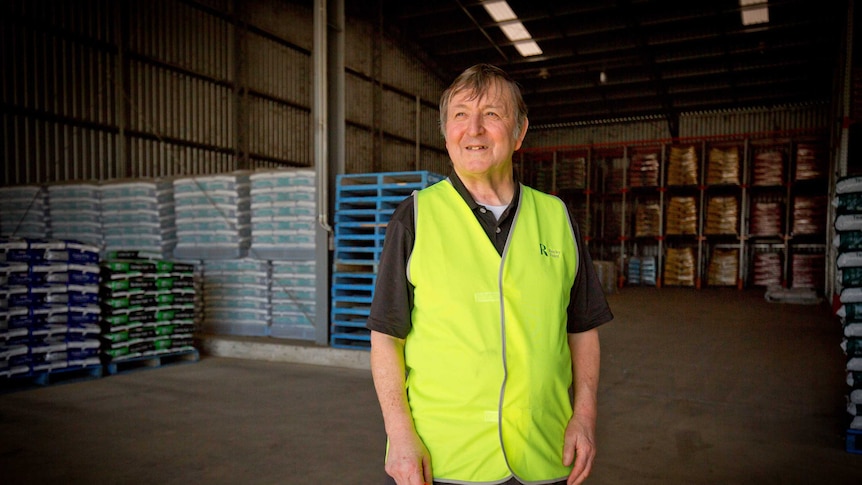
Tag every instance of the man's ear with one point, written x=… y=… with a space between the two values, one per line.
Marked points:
x=522 y=135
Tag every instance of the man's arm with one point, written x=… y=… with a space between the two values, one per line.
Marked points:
x=581 y=431
x=407 y=460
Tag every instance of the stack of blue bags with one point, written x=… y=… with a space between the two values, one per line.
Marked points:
x=213 y=216
x=139 y=215
x=49 y=302
x=75 y=212
x=283 y=212
x=236 y=297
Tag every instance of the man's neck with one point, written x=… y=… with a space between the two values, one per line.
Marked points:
x=490 y=189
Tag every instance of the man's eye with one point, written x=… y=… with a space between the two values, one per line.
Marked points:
x=492 y=114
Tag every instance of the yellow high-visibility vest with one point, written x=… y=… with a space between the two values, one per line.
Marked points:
x=488 y=362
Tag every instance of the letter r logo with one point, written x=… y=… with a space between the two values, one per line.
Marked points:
x=543 y=249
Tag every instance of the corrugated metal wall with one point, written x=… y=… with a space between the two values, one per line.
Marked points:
x=381 y=86
x=98 y=89
x=691 y=125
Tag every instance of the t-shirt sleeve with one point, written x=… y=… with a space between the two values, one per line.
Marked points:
x=588 y=307
x=393 y=293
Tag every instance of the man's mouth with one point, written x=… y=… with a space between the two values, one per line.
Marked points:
x=476 y=147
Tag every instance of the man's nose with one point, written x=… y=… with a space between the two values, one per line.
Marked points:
x=476 y=126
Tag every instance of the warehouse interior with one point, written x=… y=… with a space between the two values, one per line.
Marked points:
x=194 y=196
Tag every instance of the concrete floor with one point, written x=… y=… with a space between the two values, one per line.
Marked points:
x=698 y=387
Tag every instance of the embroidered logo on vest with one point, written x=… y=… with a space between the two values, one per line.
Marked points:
x=551 y=253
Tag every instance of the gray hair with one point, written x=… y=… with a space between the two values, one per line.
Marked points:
x=477 y=80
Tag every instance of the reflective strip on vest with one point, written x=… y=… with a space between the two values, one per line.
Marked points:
x=488 y=362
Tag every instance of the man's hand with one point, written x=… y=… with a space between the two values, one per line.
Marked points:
x=579 y=447
x=408 y=461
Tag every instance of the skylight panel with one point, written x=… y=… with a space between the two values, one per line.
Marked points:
x=754 y=11
x=499 y=10
x=515 y=31
x=528 y=48
x=512 y=27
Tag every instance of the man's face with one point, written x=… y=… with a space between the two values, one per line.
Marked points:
x=480 y=131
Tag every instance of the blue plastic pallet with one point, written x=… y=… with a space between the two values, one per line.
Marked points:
x=370 y=202
x=350 y=339
x=152 y=361
x=853 y=443
x=46 y=378
x=385 y=182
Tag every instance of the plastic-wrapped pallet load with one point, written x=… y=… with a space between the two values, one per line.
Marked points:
x=293 y=300
x=148 y=308
x=766 y=218
x=682 y=167
x=50 y=307
x=722 y=215
x=648 y=270
x=681 y=216
x=213 y=216
x=723 y=166
x=571 y=173
x=138 y=215
x=633 y=271
x=768 y=168
x=810 y=162
x=679 y=267
x=809 y=215
x=283 y=214
x=75 y=211
x=723 y=267
x=644 y=170
x=766 y=269
x=236 y=297
x=648 y=220
x=24 y=211
x=848 y=241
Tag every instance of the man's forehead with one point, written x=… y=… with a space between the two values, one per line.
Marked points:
x=492 y=95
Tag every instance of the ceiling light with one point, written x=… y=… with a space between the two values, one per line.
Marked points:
x=754 y=12
x=528 y=48
x=515 y=31
x=499 y=10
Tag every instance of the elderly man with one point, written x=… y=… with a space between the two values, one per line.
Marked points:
x=485 y=315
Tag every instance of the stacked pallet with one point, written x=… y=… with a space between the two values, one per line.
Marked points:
x=681 y=215
x=682 y=166
x=213 y=216
x=571 y=173
x=723 y=267
x=75 y=211
x=24 y=211
x=679 y=267
x=722 y=215
x=723 y=168
x=648 y=220
x=49 y=311
x=293 y=300
x=766 y=218
x=615 y=179
x=809 y=215
x=236 y=297
x=849 y=265
x=138 y=215
x=810 y=162
x=148 y=308
x=641 y=271
x=644 y=170
x=808 y=270
x=364 y=203
x=283 y=211
x=768 y=168
x=766 y=269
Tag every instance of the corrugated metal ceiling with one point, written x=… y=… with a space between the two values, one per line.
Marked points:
x=660 y=58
